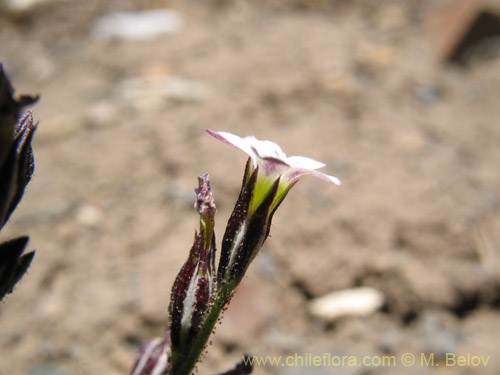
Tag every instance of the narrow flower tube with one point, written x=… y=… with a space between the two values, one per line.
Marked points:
x=191 y=294
x=269 y=176
x=246 y=231
x=194 y=288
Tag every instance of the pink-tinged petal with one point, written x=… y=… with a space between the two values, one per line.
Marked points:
x=265 y=149
x=303 y=162
x=272 y=160
x=233 y=140
x=326 y=177
x=295 y=173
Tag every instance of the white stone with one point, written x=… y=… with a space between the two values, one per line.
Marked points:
x=138 y=25
x=360 y=301
x=89 y=216
x=22 y=5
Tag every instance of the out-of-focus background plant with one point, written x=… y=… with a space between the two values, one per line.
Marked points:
x=398 y=98
x=16 y=167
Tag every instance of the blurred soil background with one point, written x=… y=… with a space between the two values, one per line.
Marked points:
x=399 y=98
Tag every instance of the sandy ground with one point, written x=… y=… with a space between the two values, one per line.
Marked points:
x=353 y=84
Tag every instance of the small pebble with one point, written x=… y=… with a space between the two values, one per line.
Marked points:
x=90 y=216
x=350 y=302
x=138 y=25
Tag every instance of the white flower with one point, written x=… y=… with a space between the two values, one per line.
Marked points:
x=273 y=164
x=272 y=160
x=269 y=176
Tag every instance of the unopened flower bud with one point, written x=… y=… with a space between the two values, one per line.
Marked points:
x=194 y=287
x=205 y=206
